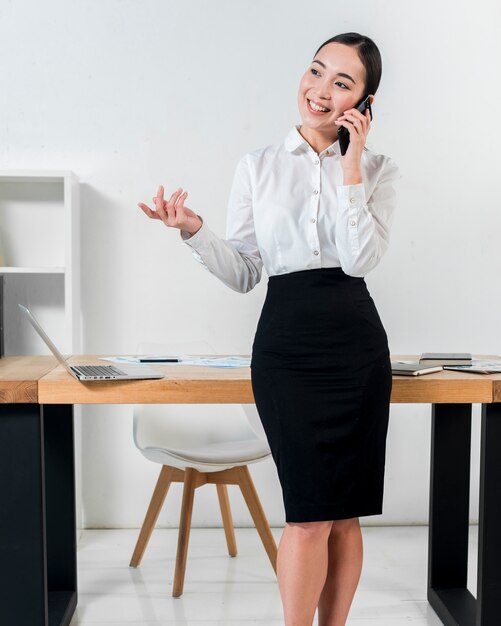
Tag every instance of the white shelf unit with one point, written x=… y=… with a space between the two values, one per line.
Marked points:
x=40 y=258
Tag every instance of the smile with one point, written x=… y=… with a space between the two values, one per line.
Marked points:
x=316 y=108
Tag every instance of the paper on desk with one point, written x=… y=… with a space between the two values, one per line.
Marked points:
x=227 y=361
x=136 y=358
x=478 y=366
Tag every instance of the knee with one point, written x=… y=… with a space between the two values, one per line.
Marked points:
x=310 y=530
x=341 y=526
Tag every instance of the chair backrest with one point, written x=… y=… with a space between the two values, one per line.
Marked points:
x=187 y=425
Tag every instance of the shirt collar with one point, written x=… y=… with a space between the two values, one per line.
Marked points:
x=295 y=141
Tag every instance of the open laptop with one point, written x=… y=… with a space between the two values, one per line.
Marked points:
x=92 y=372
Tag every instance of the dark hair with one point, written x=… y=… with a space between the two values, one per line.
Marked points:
x=369 y=55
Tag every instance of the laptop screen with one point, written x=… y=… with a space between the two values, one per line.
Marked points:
x=29 y=316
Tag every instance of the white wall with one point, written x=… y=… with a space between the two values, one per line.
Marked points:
x=131 y=94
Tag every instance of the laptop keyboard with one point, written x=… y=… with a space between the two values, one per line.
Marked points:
x=97 y=370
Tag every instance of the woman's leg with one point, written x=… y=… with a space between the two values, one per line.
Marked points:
x=345 y=549
x=302 y=562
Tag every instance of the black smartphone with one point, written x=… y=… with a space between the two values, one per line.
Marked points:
x=343 y=133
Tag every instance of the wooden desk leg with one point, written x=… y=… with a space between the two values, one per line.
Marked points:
x=449 y=514
x=38 y=567
x=489 y=536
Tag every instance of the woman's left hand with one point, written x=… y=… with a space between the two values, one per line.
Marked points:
x=358 y=125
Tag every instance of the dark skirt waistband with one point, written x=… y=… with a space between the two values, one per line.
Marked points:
x=330 y=273
x=323 y=313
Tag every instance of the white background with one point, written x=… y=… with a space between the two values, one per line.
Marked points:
x=131 y=94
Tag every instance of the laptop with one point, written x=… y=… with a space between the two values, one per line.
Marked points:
x=92 y=372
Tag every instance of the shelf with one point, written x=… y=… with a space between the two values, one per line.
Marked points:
x=39 y=264
x=35 y=176
x=31 y=270
x=32 y=223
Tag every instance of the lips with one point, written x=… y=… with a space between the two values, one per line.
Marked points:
x=314 y=111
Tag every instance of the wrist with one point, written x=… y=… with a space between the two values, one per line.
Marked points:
x=352 y=177
x=197 y=228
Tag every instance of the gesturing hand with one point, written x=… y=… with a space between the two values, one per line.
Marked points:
x=172 y=212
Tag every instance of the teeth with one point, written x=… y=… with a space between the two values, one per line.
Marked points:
x=316 y=107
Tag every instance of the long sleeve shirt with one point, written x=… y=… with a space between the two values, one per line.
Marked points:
x=289 y=210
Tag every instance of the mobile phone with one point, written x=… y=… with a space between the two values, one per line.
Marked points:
x=343 y=133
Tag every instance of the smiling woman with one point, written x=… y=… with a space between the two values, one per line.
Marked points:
x=318 y=221
x=343 y=70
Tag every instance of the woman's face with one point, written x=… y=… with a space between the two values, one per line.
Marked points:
x=335 y=80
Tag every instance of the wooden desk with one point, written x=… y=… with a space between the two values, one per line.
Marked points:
x=19 y=377
x=37 y=515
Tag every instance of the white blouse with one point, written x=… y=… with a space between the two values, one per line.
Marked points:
x=289 y=211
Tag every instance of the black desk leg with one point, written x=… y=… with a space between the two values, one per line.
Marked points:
x=489 y=523
x=37 y=515
x=449 y=515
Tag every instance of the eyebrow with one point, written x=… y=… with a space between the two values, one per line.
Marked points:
x=338 y=74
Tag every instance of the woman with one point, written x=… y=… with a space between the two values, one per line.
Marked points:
x=318 y=221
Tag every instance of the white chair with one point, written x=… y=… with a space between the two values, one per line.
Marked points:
x=197 y=444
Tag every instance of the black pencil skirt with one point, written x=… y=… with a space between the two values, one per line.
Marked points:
x=321 y=377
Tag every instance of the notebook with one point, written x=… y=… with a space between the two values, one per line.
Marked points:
x=445 y=358
x=413 y=369
x=92 y=372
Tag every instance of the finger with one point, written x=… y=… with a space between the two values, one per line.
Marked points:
x=149 y=212
x=160 y=195
x=171 y=205
x=350 y=126
x=180 y=212
x=159 y=200
x=180 y=200
x=173 y=199
x=355 y=113
x=155 y=200
x=352 y=112
x=358 y=122
x=160 y=211
x=175 y=194
x=352 y=117
x=346 y=125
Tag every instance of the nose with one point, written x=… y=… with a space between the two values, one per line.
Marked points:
x=322 y=90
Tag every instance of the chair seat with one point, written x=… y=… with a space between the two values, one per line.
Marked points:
x=244 y=451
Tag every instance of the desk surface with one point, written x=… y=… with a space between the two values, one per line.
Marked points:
x=19 y=377
x=41 y=379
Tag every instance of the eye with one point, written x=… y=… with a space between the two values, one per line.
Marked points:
x=314 y=72
x=340 y=83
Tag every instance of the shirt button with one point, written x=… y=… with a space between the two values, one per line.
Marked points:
x=313 y=220
x=316 y=161
x=316 y=252
x=315 y=191
x=353 y=223
x=352 y=200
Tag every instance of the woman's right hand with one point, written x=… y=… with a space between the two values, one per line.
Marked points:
x=172 y=212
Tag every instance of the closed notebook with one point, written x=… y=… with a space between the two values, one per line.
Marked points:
x=445 y=358
x=413 y=369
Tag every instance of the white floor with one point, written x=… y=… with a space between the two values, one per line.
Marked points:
x=223 y=591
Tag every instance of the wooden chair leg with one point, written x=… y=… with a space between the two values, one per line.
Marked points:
x=256 y=510
x=156 y=503
x=229 y=530
x=190 y=483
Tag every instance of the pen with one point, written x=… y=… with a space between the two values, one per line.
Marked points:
x=159 y=360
